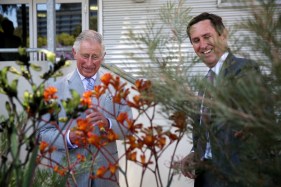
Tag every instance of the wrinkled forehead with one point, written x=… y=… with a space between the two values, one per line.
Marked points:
x=91 y=46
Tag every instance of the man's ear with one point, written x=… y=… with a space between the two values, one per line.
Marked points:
x=225 y=34
x=74 y=53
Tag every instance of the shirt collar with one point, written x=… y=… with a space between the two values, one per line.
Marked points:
x=83 y=77
x=218 y=66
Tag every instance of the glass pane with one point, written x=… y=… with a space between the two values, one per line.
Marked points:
x=68 y=26
x=14 y=28
x=93 y=22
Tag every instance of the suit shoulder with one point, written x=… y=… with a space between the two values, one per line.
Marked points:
x=245 y=61
x=60 y=81
x=245 y=64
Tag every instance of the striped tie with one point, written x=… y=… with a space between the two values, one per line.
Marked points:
x=204 y=146
x=89 y=85
x=210 y=76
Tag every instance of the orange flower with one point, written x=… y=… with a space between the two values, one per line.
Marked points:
x=49 y=93
x=132 y=156
x=98 y=91
x=111 y=135
x=133 y=127
x=124 y=93
x=138 y=84
x=52 y=149
x=143 y=159
x=84 y=125
x=94 y=139
x=136 y=99
x=80 y=139
x=86 y=99
x=142 y=85
x=113 y=168
x=172 y=136
x=56 y=167
x=122 y=117
x=148 y=140
x=106 y=78
x=135 y=103
x=43 y=145
x=61 y=172
x=132 y=142
x=117 y=98
x=101 y=171
x=81 y=157
x=116 y=83
x=161 y=142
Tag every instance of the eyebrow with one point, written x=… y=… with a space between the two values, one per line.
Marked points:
x=206 y=34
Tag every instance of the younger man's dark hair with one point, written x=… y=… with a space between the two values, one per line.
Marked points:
x=215 y=20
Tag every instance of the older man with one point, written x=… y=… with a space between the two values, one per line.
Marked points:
x=88 y=51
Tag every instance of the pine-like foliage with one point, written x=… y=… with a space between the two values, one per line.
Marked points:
x=248 y=108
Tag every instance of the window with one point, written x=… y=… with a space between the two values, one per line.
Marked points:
x=29 y=19
x=237 y=3
x=68 y=26
x=14 y=28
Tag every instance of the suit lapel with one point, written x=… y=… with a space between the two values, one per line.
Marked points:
x=97 y=82
x=231 y=67
x=75 y=83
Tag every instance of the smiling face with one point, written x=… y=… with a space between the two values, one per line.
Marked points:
x=207 y=43
x=89 y=57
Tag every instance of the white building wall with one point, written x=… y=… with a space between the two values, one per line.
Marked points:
x=119 y=16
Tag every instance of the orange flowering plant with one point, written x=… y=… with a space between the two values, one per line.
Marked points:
x=22 y=152
x=143 y=145
x=20 y=113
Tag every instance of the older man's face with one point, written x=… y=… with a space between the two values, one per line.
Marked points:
x=207 y=43
x=89 y=58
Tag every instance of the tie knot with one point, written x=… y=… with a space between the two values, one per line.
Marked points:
x=89 y=79
x=211 y=75
x=89 y=84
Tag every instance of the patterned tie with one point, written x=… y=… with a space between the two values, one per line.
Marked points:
x=205 y=120
x=211 y=76
x=89 y=85
x=205 y=110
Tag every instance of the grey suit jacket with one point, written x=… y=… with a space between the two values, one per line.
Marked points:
x=50 y=133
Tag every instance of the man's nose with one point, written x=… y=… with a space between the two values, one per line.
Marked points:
x=89 y=61
x=203 y=44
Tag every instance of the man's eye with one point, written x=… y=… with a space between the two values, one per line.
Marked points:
x=94 y=57
x=207 y=37
x=85 y=56
x=195 y=41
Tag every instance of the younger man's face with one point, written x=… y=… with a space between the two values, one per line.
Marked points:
x=207 y=43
